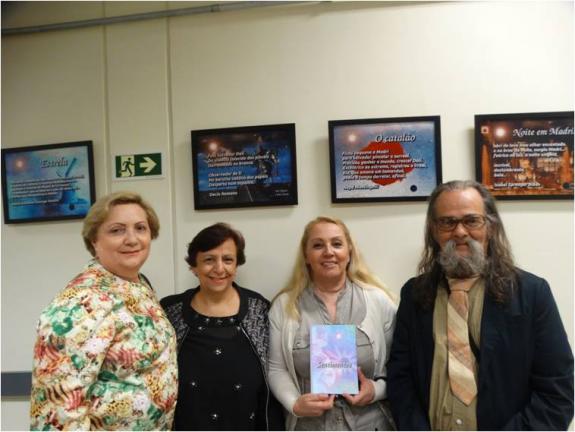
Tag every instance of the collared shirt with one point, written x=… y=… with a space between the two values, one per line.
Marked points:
x=446 y=412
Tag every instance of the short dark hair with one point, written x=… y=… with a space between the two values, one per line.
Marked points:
x=213 y=236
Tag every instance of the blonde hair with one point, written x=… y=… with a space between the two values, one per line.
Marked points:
x=357 y=270
x=99 y=212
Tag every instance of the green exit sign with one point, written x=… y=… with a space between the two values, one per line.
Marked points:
x=138 y=166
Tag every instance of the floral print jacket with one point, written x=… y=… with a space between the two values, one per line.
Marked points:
x=105 y=358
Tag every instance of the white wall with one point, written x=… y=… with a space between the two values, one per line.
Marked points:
x=141 y=87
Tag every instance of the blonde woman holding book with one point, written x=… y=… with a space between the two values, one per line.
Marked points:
x=330 y=284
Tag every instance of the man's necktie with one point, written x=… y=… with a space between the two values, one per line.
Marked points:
x=461 y=361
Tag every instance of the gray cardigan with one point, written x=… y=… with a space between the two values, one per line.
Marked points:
x=378 y=325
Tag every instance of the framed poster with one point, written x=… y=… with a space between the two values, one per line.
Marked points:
x=525 y=156
x=387 y=159
x=48 y=182
x=244 y=166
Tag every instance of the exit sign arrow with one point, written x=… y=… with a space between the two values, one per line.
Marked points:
x=148 y=164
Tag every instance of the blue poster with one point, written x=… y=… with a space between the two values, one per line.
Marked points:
x=47 y=182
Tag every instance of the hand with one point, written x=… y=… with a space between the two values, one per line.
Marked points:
x=312 y=405
x=366 y=391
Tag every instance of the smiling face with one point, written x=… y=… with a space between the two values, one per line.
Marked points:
x=327 y=252
x=457 y=204
x=216 y=268
x=122 y=242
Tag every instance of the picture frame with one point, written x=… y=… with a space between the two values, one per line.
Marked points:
x=248 y=166
x=525 y=156
x=384 y=159
x=47 y=182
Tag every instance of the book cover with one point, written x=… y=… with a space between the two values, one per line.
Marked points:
x=333 y=359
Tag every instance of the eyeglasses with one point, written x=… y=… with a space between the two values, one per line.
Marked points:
x=471 y=222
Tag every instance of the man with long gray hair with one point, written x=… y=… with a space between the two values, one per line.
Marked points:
x=478 y=343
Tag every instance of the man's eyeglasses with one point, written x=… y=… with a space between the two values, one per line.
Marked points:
x=471 y=222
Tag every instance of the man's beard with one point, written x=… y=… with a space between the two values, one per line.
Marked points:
x=459 y=266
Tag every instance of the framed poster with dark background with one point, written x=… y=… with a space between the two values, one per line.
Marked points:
x=244 y=166
x=525 y=155
x=48 y=182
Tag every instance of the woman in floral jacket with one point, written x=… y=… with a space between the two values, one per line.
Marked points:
x=105 y=356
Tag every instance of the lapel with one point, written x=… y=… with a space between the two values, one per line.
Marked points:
x=426 y=348
x=494 y=329
x=426 y=328
x=492 y=323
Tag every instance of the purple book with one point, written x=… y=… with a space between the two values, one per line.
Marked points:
x=333 y=359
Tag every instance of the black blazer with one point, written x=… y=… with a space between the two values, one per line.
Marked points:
x=525 y=377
